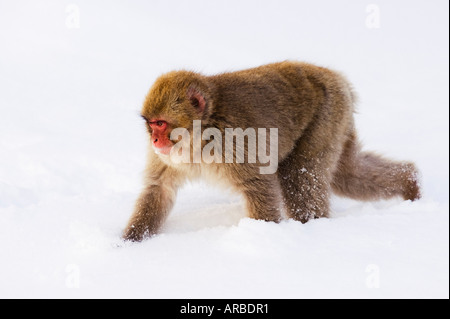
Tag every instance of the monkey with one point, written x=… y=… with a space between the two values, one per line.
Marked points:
x=318 y=151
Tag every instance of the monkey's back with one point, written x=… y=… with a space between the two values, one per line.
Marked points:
x=288 y=95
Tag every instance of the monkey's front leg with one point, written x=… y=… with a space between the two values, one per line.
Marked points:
x=152 y=208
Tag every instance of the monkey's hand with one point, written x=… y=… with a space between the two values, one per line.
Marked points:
x=135 y=233
x=151 y=210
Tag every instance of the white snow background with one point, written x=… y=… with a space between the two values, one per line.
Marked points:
x=72 y=150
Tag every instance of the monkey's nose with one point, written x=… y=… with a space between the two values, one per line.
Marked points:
x=158 y=143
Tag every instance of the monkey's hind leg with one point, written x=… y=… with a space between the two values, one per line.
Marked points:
x=368 y=176
x=305 y=184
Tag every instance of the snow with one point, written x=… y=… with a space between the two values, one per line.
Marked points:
x=72 y=151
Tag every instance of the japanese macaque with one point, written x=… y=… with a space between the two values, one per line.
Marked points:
x=317 y=146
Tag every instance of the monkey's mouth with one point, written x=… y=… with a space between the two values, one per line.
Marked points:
x=162 y=150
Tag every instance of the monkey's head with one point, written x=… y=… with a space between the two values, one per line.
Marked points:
x=174 y=101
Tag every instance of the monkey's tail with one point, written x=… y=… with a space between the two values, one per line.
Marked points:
x=369 y=176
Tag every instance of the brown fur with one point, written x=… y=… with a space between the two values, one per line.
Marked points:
x=318 y=151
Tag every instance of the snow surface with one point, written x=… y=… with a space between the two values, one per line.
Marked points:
x=72 y=150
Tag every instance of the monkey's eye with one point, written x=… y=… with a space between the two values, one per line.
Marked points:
x=158 y=124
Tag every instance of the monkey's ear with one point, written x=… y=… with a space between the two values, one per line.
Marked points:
x=197 y=100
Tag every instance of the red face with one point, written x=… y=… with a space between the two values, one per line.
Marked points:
x=160 y=139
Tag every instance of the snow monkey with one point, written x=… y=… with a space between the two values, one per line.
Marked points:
x=317 y=146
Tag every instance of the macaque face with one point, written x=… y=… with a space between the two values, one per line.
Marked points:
x=160 y=136
x=165 y=111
